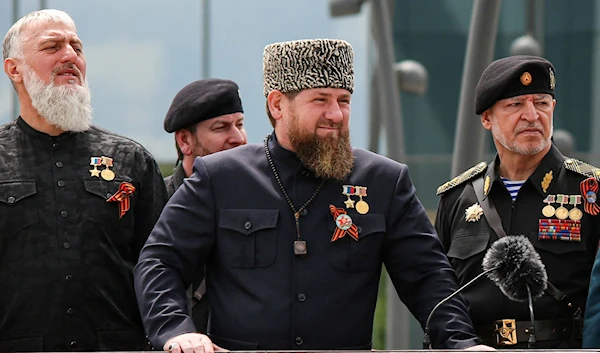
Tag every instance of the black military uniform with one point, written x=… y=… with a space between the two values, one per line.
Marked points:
x=550 y=210
x=231 y=215
x=66 y=253
x=199 y=101
x=568 y=260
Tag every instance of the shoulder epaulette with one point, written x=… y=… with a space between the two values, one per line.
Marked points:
x=582 y=168
x=467 y=175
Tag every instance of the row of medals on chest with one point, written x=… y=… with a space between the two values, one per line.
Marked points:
x=106 y=173
x=562 y=212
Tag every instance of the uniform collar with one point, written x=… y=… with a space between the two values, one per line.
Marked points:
x=279 y=152
x=541 y=178
x=287 y=157
x=178 y=175
x=27 y=129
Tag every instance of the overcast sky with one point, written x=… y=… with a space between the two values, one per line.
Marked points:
x=140 y=53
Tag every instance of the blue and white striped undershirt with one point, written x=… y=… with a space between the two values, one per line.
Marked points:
x=513 y=187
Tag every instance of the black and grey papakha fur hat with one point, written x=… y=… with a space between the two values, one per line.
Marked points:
x=311 y=63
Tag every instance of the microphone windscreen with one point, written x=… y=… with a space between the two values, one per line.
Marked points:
x=518 y=266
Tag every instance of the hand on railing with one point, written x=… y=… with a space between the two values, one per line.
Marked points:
x=480 y=348
x=191 y=343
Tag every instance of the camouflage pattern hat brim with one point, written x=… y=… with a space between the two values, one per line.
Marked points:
x=304 y=64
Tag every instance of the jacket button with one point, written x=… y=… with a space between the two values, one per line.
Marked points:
x=11 y=200
x=73 y=344
x=304 y=212
x=301 y=297
x=248 y=225
x=68 y=278
x=59 y=164
x=70 y=311
x=64 y=214
x=55 y=146
x=299 y=341
x=61 y=183
x=66 y=245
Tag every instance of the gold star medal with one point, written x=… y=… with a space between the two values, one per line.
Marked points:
x=95 y=162
x=561 y=211
x=348 y=190
x=107 y=174
x=549 y=210
x=362 y=206
x=473 y=213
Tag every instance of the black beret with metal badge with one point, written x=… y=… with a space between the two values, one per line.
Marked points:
x=514 y=76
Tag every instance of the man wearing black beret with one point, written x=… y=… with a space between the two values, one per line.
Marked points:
x=529 y=189
x=206 y=117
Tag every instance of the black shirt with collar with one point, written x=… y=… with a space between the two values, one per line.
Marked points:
x=66 y=255
x=231 y=215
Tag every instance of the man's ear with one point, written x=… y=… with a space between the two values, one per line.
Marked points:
x=12 y=70
x=183 y=138
x=274 y=100
x=486 y=121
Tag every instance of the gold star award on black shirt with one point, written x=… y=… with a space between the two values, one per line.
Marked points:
x=95 y=161
x=362 y=206
x=106 y=173
x=348 y=190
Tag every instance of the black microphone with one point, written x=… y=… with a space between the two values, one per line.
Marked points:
x=514 y=265
x=426 y=339
x=517 y=269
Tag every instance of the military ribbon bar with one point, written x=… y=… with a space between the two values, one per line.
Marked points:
x=122 y=197
x=343 y=223
x=559 y=229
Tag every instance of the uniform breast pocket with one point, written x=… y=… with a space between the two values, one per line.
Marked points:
x=98 y=210
x=347 y=254
x=466 y=245
x=248 y=238
x=17 y=206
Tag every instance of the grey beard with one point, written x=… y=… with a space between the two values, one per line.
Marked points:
x=514 y=147
x=67 y=107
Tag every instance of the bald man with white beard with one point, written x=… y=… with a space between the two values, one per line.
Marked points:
x=76 y=203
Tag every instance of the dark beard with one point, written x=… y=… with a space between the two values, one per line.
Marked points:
x=328 y=157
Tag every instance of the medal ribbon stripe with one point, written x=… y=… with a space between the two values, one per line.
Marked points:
x=122 y=197
x=559 y=229
x=340 y=233
x=589 y=191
